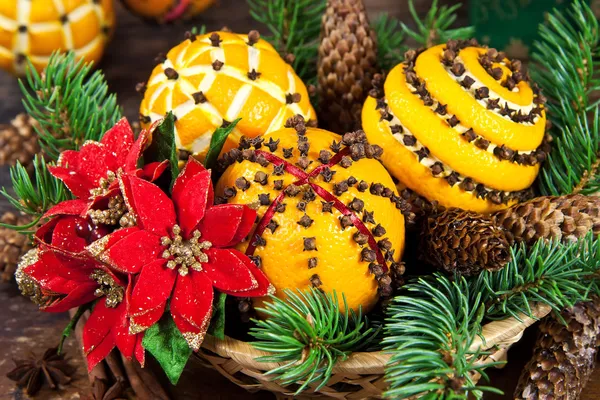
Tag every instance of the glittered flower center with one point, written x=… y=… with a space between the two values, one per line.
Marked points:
x=108 y=288
x=185 y=254
x=116 y=213
x=104 y=184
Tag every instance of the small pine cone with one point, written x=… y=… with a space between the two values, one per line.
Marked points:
x=563 y=356
x=346 y=64
x=19 y=141
x=565 y=218
x=12 y=244
x=463 y=241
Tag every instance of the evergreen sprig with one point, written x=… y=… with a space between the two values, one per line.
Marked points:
x=390 y=41
x=565 y=67
x=309 y=334
x=551 y=273
x=35 y=194
x=295 y=26
x=435 y=28
x=429 y=332
x=71 y=103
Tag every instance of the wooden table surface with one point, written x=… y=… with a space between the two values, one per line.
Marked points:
x=129 y=60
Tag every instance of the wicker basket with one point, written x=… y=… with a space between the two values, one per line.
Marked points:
x=360 y=376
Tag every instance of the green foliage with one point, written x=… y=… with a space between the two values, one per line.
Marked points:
x=163 y=146
x=295 y=26
x=549 y=273
x=216 y=143
x=435 y=27
x=429 y=332
x=35 y=194
x=390 y=41
x=307 y=333
x=70 y=102
x=217 y=324
x=564 y=66
x=166 y=343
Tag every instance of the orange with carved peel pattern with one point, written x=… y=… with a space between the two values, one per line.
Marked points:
x=327 y=219
x=461 y=126
x=210 y=80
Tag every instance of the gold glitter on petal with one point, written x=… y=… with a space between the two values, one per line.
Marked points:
x=134 y=329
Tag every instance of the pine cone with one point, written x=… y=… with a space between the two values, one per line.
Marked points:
x=12 y=244
x=463 y=241
x=566 y=218
x=563 y=356
x=19 y=141
x=347 y=63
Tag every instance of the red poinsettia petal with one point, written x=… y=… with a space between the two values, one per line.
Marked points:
x=67 y=234
x=152 y=171
x=142 y=322
x=226 y=225
x=193 y=335
x=191 y=306
x=131 y=253
x=68 y=207
x=153 y=209
x=101 y=202
x=118 y=141
x=99 y=325
x=264 y=286
x=95 y=160
x=81 y=295
x=192 y=194
x=192 y=298
x=58 y=273
x=78 y=184
x=228 y=270
x=139 y=351
x=124 y=341
x=100 y=352
x=152 y=288
x=136 y=151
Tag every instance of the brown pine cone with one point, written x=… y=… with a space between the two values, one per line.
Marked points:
x=563 y=356
x=19 y=141
x=566 y=218
x=12 y=244
x=347 y=62
x=463 y=241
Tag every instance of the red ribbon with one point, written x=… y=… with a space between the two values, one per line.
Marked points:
x=303 y=179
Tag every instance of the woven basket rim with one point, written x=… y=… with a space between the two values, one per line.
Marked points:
x=496 y=333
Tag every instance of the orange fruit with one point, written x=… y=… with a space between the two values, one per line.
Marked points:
x=460 y=125
x=209 y=80
x=334 y=225
x=167 y=10
x=36 y=28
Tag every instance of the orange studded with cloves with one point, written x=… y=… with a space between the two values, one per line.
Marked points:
x=208 y=81
x=328 y=212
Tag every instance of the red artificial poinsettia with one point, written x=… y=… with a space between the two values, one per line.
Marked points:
x=58 y=282
x=181 y=248
x=91 y=173
x=69 y=233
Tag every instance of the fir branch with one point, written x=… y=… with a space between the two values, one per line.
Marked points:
x=295 y=26
x=429 y=332
x=390 y=41
x=551 y=273
x=308 y=333
x=435 y=27
x=70 y=102
x=36 y=194
x=565 y=68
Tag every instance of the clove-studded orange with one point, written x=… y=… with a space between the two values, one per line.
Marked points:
x=35 y=29
x=461 y=125
x=209 y=81
x=167 y=10
x=329 y=214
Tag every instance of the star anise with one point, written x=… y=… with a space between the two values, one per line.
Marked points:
x=31 y=373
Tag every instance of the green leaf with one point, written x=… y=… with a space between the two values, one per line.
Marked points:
x=163 y=145
x=217 y=327
x=70 y=326
x=166 y=343
x=216 y=143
